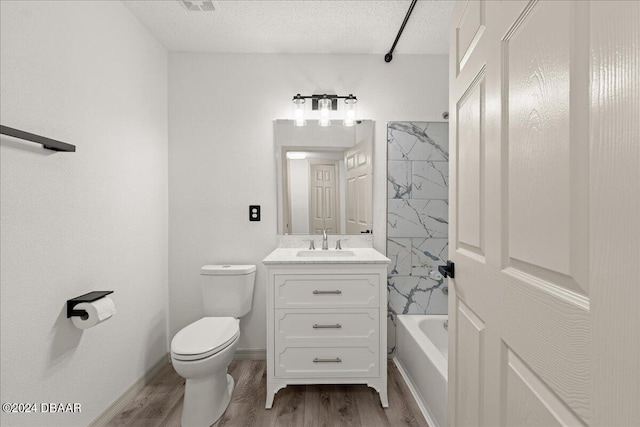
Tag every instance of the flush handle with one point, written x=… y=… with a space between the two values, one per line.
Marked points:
x=448 y=270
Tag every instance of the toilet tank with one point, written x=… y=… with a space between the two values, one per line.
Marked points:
x=227 y=290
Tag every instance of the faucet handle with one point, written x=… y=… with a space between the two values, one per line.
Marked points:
x=312 y=245
x=338 y=243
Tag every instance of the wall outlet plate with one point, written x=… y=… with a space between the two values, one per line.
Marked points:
x=254 y=212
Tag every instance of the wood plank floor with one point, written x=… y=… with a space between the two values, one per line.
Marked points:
x=159 y=403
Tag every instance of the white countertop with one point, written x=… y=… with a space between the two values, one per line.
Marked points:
x=361 y=256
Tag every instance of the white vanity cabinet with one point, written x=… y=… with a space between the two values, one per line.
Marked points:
x=326 y=322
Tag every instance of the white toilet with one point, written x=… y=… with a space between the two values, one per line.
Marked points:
x=202 y=351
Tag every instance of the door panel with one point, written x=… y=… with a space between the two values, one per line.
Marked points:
x=469 y=30
x=538 y=181
x=361 y=184
x=471 y=168
x=531 y=96
x=359 y=188
x=351 y=207
x=323 y=209
x=547 y=164
x=529 y=401
x=550 y=332
x=470 y=345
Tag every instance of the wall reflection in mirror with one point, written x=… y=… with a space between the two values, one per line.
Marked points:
x=325 y=178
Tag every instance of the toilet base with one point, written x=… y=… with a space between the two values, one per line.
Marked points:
x=206 y=399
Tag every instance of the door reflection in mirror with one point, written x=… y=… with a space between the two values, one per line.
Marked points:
x=325 y=178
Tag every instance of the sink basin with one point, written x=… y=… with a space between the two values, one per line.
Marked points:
x=319 y=253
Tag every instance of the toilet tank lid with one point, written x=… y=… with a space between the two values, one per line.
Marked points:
x=227 y=269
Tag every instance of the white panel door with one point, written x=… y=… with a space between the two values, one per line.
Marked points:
x=359 y=198
x=323 y=197
x=544 y=317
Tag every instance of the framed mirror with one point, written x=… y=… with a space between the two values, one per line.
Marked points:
x=325 y=177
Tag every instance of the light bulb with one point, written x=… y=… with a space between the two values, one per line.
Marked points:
x=324 y=105
x=350 y=111
x=298 y=111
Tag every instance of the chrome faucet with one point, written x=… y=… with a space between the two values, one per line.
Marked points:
x=325 y=244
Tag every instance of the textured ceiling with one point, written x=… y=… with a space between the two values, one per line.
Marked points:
x=310 y=26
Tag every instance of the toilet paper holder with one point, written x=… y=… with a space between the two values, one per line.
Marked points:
x=90 y=297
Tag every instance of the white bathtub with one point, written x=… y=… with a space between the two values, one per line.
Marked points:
x=422 y=351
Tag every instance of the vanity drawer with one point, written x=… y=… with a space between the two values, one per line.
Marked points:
x=313 y=328
x=316 y=362
x=326 y=290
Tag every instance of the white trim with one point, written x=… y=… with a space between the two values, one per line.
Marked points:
x=250 y=354
x=431 y=421
x=126 y=398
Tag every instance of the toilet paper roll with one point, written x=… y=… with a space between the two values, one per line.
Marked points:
x=98 y=311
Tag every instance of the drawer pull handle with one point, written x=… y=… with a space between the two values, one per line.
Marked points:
x=336 y=360
x=316 y=292
x=336 y=326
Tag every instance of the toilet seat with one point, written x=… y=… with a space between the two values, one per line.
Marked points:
x=204 y=338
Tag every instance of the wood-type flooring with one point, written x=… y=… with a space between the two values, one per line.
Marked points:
x=159 y=403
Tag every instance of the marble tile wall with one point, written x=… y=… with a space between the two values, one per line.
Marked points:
x=417 y=216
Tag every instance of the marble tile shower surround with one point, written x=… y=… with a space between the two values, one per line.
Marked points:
x=417 y=216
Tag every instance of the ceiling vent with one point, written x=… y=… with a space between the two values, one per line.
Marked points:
x=200 y=5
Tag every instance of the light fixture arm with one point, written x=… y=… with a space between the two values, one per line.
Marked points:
x=325 y=96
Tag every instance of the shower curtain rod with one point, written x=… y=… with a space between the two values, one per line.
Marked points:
x=389 y=56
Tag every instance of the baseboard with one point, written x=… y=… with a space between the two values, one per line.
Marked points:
x=125 y=398
x=250 y=354
x=416 y=396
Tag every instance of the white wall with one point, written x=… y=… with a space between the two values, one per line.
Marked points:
x=221 y=155
x=89 y=74
x=299 y=189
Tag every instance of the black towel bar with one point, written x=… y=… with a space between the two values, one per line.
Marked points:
x=48 y=143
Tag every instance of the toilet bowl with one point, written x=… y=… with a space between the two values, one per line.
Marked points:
x=202 y=351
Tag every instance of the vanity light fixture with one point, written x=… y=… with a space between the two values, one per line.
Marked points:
x=324 y=104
